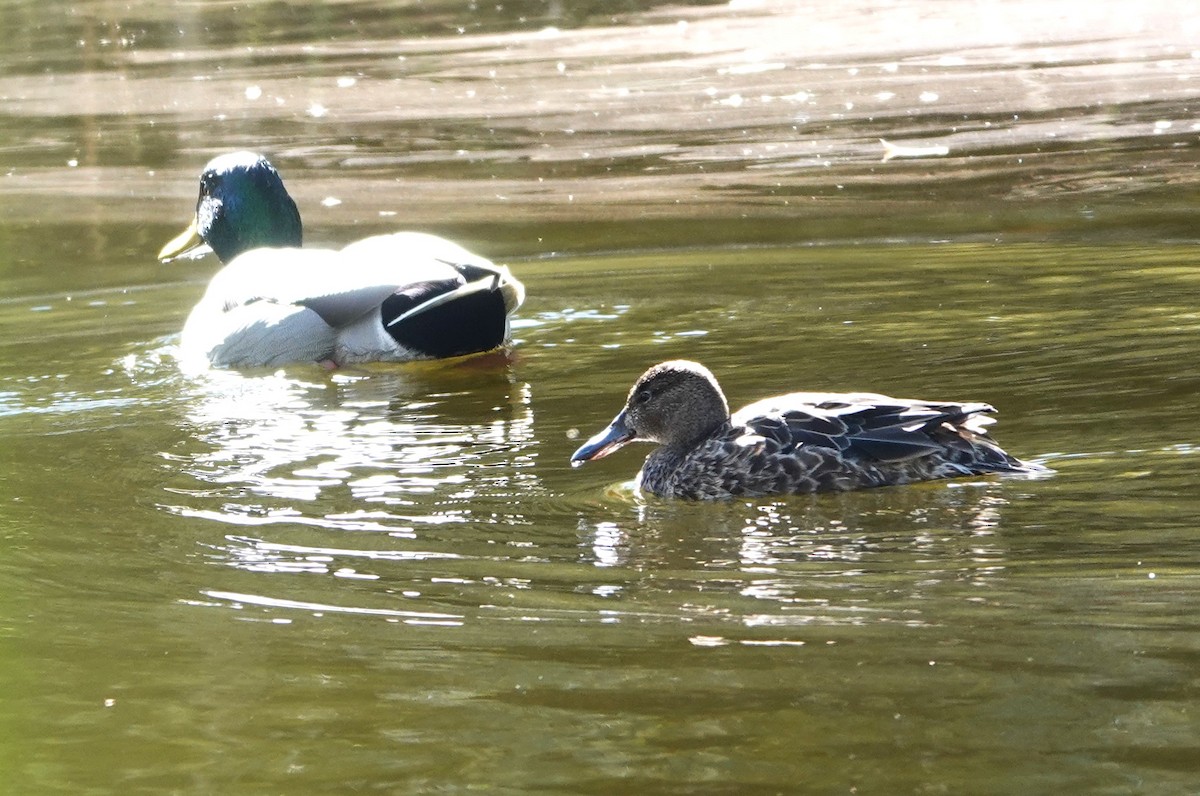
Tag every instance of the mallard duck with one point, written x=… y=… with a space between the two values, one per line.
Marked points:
x=800 y=442
x=395 y=297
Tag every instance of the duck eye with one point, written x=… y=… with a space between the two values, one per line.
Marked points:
x=643 y=396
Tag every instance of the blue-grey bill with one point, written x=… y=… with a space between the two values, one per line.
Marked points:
x=614 y=436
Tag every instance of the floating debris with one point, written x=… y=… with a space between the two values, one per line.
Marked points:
x=891 y=150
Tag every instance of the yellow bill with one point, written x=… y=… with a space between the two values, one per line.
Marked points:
x=186 y=242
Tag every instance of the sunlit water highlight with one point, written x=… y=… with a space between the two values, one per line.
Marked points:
x=389 y=578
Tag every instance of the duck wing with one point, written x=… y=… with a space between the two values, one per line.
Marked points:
x=413 y=272
x=460 y=281
x=405 y=269
x=868 y=427
x=253 y=334
x=427 y=272
x=311 y=278
x=449 y=302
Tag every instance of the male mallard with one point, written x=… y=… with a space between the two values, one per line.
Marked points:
x=385 y=298
x=800 y=442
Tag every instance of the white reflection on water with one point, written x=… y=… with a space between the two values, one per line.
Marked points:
x=300 y=448
x=262 y=555
x=785 y=571
x=608 y=544
x=782 y=533
x=308 y=458
x=237 y=600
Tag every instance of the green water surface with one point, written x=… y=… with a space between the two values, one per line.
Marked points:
x=388 y=579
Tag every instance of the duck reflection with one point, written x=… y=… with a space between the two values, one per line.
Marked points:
x=811 y=551
x=437 y=442
x=835 y=526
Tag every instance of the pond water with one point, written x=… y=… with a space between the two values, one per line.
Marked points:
x=389 y=579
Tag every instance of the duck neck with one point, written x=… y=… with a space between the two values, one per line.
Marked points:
x=667 y=464
x=694 y=435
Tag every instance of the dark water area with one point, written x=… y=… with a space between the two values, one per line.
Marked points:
x=388 y=578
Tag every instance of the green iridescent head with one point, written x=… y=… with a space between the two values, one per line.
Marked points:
x=242 y=205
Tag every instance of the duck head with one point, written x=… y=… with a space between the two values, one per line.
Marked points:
x=675 y=404
x=243 y=205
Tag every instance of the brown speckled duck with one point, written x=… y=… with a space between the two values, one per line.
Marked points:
x=794 y=443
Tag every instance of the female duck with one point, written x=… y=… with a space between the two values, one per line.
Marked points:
x=800 y=442
x=385 y=298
